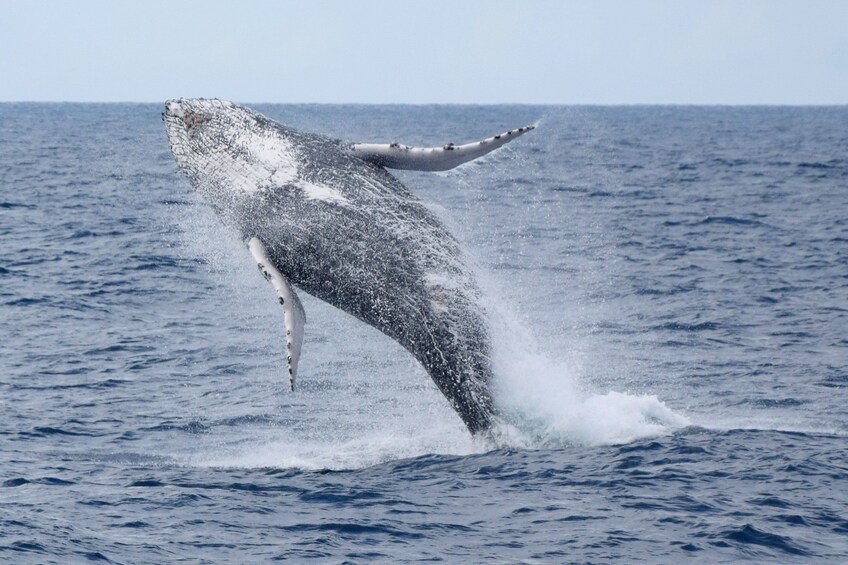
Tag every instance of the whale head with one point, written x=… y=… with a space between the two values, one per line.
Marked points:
x=196 y=124
x=228 y=152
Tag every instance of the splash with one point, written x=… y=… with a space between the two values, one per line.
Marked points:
x=547 y=408
x=545 y=403
x=337 y=453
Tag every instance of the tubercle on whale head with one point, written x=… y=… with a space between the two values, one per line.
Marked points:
x=203 y=135
x=191 y=113
x=173 y=108
x=222 y=124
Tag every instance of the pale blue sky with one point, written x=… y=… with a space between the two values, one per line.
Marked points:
x=427 y=51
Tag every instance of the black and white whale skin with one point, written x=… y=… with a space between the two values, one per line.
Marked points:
x=326 y=217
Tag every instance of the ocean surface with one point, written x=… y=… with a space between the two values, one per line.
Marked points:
x=669 y=292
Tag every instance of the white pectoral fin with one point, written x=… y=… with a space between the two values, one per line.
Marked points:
x=293 y=313
x=397 y=156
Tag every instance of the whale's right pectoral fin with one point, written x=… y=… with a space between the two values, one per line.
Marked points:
x=397 y=156
x=293 y=313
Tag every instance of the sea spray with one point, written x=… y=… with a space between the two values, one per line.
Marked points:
x=544 y=398
x=548 y=404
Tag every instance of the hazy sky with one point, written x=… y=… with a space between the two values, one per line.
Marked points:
x=403 y=51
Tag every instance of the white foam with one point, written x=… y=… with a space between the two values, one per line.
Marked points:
x=337 y=454
x=548 y=406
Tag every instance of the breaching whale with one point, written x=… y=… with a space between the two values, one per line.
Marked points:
x=326 y=216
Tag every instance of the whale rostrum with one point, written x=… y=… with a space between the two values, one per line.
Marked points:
x=326 y=217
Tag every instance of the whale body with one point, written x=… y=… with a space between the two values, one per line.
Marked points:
x=326 y=217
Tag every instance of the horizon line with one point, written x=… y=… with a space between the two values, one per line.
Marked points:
x=564 y=104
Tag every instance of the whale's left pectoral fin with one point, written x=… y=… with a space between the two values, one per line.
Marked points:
x=397 y=156
x=293 y=313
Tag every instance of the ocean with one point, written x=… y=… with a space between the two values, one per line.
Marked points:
x=668 y=289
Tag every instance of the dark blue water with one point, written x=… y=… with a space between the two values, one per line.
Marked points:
x=669 y=287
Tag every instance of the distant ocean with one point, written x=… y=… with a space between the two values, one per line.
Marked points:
x=669 y=290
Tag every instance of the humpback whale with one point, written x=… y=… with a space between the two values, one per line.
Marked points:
x=325 y=217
